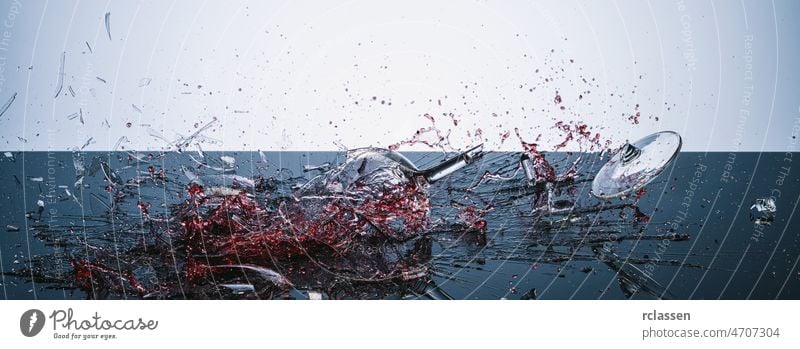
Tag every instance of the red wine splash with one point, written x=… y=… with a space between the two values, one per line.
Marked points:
x=436 y=138
x=474 y=217
x=235 y=226
x=542 y=169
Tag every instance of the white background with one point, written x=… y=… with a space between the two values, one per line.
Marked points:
x=302 y=66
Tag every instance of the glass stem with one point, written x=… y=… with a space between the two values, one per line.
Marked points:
x=453 y=164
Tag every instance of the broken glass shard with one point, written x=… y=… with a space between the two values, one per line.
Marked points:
x=314 y=296
x=264 y=273
x=636 y=164
x=527 y=167
x=8 y=104
x=762 y=211
x=60 y=80
x=183 y=142
x=451 y=165
x=240 y=288
x=766 y=205
x=108 y=24
x=324 y=167
x=88 y=142
x=110 y=174
x=229 y=161
x=121 y=140
x=193 y=177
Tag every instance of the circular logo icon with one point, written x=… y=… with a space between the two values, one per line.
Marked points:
x=31 y=322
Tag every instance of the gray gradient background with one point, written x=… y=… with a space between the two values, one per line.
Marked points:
x=722 y=73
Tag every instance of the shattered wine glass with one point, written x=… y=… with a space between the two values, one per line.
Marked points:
x=363 y=221
x=381 y=189
x=636 y=165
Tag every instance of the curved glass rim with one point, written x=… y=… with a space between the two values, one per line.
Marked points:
x=616 y=161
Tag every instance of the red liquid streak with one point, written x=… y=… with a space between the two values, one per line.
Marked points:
x=581 y=133
x=89 y=275
x=440 y=142
x=237 y=228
